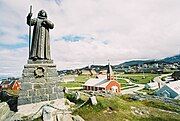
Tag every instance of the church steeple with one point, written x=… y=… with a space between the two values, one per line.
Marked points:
x=110 y=74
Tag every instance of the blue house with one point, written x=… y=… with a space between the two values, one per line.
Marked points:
x=170 y=90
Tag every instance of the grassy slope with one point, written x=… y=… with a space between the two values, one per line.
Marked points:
x=119 y=109
x=123 y=82
x=139 y=78
x=78 y=81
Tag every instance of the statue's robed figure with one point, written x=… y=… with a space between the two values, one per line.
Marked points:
x=40 y=46
x=40 y=77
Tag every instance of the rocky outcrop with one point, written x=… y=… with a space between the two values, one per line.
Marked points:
x=47 y=111
x=48 y=114
x=5 y=111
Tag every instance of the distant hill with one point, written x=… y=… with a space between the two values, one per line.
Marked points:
x=2 y=78
x=167 y=60
x=135 y=62
x=95 y=67
x=173 y=59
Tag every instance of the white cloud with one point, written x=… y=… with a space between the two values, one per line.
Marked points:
x=12 y=61
x=122 y=29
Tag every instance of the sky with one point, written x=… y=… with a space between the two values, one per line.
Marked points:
x=91 y=31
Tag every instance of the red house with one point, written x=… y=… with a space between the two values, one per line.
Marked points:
x=12 y=85
x=108 y=83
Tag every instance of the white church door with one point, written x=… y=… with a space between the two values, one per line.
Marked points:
x=114 y=89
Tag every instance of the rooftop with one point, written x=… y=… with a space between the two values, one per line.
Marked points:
x=175 y=86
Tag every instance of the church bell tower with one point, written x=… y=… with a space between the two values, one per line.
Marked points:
x=110 y=74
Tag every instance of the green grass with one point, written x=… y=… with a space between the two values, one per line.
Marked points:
x=119 y=109
x=12 y=92
x=139 y=78
x=78 y=81
x=38 y=119
x=82 y=78
x=72 y=98
x=71 y=84
x=121 y=81
x=148 y=91
x=124 y=85
x=161 y=105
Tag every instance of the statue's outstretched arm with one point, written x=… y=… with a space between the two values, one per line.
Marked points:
x=48 y=23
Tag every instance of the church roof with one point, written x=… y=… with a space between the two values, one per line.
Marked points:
x=97 y=82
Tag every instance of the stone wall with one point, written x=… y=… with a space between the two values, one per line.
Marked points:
x=40 y=82
x=36 y=92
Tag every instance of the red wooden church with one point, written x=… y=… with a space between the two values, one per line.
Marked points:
x=108 y=83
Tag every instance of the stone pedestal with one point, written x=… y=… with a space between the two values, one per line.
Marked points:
x=39 y=82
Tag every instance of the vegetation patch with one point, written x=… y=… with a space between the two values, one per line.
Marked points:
x=38 y=119
x=148 y=91
x=71 y=84
x=121 y=80
x=123 y=108
x=81 y=79
x=161 y=105
x=139 y=78
x=72 y=98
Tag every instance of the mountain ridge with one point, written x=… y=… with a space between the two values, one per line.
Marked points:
x=167 y=60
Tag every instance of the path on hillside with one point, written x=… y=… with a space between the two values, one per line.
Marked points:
x=158 y=79
x=141 y=86
x=133 y=90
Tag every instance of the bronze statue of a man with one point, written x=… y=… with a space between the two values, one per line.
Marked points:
x=40 y=46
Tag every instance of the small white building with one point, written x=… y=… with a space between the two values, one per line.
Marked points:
x=152 y=85
x=169 y=79
x=171 y=90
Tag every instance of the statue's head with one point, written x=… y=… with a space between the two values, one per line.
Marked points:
x=42 y=14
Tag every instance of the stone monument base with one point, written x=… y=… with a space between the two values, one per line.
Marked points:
x=40 y=82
